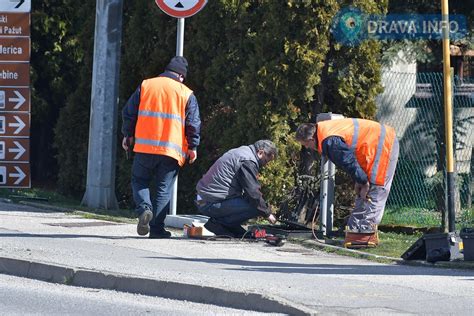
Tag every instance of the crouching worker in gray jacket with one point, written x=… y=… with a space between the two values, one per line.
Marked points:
x=229 y=193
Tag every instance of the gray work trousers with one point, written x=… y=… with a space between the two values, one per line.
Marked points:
x=368 y=213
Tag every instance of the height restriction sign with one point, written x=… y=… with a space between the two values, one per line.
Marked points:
x=181 y=8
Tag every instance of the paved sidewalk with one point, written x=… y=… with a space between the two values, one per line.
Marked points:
x=290 y=279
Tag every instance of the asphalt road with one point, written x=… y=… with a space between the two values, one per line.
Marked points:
x=303 y=278
x=20 y=296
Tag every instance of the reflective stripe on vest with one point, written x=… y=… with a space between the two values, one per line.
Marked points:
x=162 y=115
x=370 y=141
x=157 y=143
x=355 y=138
x=378 y=154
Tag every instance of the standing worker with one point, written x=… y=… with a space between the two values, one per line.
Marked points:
x=368 y=152
x=229 y=193
x=161 y=119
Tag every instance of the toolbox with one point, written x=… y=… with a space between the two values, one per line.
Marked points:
x=467 y=235
x=442 y=247
x=417 y=251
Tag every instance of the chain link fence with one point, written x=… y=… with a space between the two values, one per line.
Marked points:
x=412 y=103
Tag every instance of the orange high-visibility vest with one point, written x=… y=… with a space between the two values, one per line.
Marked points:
x=160 y=127
x=371 y=142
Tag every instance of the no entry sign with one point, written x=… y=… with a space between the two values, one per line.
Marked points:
x=181 y=8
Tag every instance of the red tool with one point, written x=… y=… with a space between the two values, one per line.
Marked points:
x=259 y=233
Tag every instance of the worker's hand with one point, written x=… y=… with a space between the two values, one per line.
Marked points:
x=272 y=219
x=192 y=154
x=361 y=190
x=125 y=145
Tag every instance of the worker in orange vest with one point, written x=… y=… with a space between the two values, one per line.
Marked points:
x=368 y=152
x=161 y=119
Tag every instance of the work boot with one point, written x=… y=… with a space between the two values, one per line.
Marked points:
x=358 y=240
x=218 y=229
x=161 y=234
x=144 y=219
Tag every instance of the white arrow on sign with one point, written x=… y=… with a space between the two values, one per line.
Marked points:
x=20 y=150
x=19 y=125
x=20 y=175
x=20 y=99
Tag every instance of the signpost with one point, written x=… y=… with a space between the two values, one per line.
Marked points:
x=181 y=10
x=15 y=93
x=15 y=49
x=15 y=99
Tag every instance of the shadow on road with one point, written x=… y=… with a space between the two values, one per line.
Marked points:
x=284 y=267
x=15 y=235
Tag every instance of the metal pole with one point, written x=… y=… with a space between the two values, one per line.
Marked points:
x=179 y=52
x=328 y=172
x=448 y=116
x=328 y=175
x=180 y=38
x=330 y=206
x=324 y=195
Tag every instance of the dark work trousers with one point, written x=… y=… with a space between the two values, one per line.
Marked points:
x=161 y=169
x=231 y=212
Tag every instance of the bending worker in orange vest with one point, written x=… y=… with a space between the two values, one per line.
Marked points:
x=368 y=152
x=162 y=119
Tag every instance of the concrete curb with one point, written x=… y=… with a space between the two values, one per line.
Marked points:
x=400 y=261
x=151 y=287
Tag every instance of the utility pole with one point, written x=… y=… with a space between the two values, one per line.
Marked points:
x=100 y=187
x=448 y=116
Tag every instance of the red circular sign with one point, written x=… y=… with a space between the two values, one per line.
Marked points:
x=181 y=9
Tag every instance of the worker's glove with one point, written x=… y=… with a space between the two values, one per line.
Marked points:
x=272 y=219
x=192 y=155
x=361 y=190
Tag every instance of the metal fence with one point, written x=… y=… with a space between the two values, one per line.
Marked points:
x=412 y=103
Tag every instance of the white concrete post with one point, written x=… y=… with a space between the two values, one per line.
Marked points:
x=100 y=186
